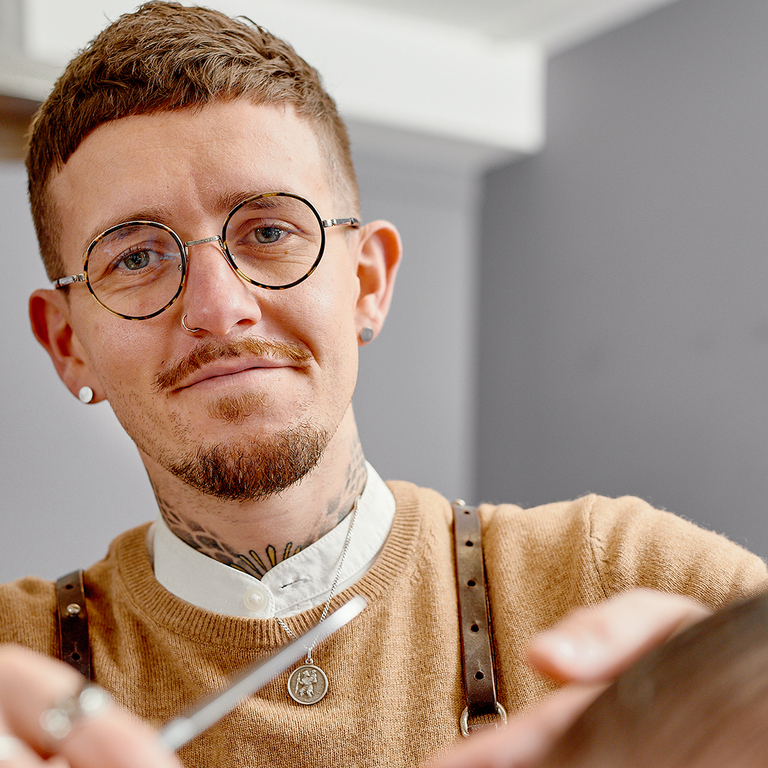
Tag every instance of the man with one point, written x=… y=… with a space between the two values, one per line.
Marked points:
x=197 y=210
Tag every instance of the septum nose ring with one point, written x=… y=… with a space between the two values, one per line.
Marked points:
x=184 y=325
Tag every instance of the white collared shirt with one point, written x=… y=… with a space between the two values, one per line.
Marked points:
x=296 y=584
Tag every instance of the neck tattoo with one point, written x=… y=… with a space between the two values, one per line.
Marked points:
x=308 y=683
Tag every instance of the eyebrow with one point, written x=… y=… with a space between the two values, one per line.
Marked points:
x=233 y=199
x=163 y=215
x=159 y=214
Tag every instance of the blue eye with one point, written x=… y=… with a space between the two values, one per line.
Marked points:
x=135 y=260
x=268 y=235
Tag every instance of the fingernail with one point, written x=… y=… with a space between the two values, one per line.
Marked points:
x=567 y=649
x=557 y=645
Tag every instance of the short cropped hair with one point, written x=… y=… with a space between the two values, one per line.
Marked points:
x=166 y=57
x=699 y=701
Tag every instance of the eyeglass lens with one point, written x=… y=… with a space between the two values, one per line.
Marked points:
x=136 y=269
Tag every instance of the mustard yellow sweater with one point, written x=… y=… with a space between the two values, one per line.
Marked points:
x=395 y=671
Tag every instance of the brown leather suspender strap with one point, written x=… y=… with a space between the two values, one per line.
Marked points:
x=474 y=619
x=74 y=644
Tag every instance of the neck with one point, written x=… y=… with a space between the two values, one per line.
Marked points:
x=254 y=536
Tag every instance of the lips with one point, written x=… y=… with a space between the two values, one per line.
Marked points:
x=226 y=368
x=213 y=358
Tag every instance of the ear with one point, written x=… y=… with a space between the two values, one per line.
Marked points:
x=50 y=317
x=379 y=256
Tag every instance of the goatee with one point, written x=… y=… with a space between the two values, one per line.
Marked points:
x=265 y=467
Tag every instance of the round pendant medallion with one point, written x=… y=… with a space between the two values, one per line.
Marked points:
x=307 y=684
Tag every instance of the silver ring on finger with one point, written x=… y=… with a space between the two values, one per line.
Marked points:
x=86 y=703
x=10 y=746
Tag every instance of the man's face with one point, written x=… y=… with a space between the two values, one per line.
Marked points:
x=187 y=169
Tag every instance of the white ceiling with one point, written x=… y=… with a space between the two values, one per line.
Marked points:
x=555 y=24
x=421 y=79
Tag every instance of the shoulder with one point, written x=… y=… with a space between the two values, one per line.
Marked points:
x=28 y=605
x=423 y=502
x=628 y=520
x=27 y=614
x=616 y=544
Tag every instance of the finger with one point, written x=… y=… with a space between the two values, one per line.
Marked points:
x=14 y=753
x=597 y=643
x=527 y=737
x=117 y=741
x=31 y=685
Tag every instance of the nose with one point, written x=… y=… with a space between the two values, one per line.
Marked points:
x=216 y=300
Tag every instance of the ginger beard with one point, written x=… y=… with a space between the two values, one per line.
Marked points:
x=249 y=469
x=260 y=469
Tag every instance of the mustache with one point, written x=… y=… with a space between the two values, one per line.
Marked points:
x=210 y=350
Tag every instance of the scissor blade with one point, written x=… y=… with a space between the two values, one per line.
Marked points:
x=203 y=715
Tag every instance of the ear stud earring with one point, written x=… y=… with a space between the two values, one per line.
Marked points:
x=85 y=395
x=366 y=334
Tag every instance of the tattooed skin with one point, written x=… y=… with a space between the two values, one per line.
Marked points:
x=258 y=563
x=340 y=506
x=256 y=566
x=206 y=542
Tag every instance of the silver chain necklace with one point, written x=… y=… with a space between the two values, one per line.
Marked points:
x=308 y=683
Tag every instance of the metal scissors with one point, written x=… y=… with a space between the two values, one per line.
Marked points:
x=210 y=710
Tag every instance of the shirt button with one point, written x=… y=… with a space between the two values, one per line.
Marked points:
x=256 y=599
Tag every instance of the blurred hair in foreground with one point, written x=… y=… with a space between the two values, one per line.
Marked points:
x=699 y=701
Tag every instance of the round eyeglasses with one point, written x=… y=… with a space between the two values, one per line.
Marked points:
x=137 y=269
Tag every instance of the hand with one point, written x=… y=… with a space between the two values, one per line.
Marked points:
x=30 y=685
x=588 y=649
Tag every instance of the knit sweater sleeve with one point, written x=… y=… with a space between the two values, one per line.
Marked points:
x=579 y=552
x=542 y=563
x=634 y=544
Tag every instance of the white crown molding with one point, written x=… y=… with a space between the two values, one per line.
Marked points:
x=25 y=78
x=426 y=92
x=557 y=25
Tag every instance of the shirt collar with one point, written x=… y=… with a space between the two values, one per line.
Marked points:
x=299 y=583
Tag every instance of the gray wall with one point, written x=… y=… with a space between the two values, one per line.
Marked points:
x=624 y=282
x=70 y=477
x=416 y=391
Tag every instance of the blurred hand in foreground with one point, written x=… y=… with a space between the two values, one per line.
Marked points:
x=587 y=650
x=43 y=715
